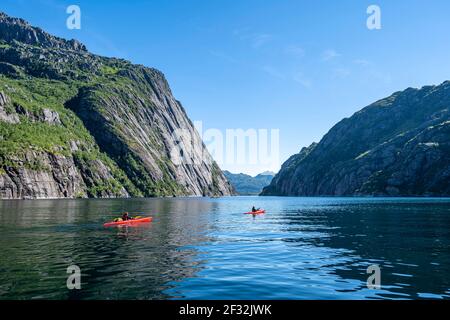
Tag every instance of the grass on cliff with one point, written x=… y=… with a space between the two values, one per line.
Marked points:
x=87 y=161
x=34 y=95
x=15 y=139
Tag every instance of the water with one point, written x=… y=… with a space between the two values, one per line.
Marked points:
x=303 y=248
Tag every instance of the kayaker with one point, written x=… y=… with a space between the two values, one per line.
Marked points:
x=254 y=209
x=126 y=217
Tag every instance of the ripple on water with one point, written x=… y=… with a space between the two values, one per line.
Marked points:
x=303 y=248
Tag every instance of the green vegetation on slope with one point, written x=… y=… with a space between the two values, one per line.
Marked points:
x=104 y=125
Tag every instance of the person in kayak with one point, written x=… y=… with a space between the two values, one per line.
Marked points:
x=126 y=216
x=254 y=209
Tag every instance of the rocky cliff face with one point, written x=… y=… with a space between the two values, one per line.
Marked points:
x=398 y=146
x=73 y=124
x=15 y=29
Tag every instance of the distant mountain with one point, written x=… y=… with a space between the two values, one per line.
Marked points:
x=75 y=124
x=247 y=185
x=267 y=173
x=398 y=146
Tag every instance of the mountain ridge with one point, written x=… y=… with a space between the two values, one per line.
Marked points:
x=397 y=146
x=75 y=124
x=245 y=184
x=17 y=29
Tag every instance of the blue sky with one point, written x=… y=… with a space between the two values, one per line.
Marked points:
x=298 y=66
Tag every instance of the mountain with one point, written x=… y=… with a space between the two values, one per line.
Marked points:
x=248 y=185
x=267 y=173
x=398 y=146
x=75 y=124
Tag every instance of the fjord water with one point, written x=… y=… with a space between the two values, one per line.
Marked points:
x=303 y=248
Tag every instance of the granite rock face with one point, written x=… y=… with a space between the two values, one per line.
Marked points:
x=53 y=176
x=74 y=124
x=398 y=146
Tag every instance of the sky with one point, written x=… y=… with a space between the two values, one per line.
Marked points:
x=292 y=65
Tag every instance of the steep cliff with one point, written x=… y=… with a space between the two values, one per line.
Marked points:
x=398 y=146
x=74 y=124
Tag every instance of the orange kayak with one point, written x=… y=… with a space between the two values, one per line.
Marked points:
x=128 y=222
x=256 y=212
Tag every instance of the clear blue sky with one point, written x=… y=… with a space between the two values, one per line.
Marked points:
x=300 y=66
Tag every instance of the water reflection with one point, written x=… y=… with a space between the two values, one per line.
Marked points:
x=45 y=237
x=409 y=241
x=303 y=248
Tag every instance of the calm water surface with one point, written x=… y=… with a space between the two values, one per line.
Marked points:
x=303 y=248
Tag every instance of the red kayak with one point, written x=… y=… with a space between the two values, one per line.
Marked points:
x=256 y=212
x=128 y=222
